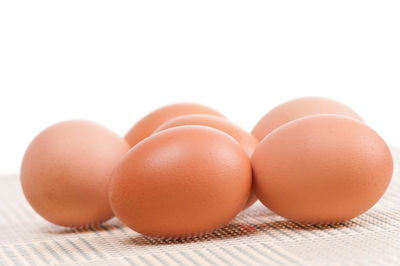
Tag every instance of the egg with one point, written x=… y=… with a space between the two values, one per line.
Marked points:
x=66 y=170
x=146 y=126
x=246 y=140
x=298 y=108
x=321 y=169
x=181 y=182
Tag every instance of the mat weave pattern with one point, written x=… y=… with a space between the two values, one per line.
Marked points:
x=254 y=237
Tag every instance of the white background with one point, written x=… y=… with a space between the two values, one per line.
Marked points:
x=114 y=61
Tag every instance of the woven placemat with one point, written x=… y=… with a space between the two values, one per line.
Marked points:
x=255 y=236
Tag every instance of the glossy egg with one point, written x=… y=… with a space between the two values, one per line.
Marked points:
x=66 y=171
x=180 y=182
x=246 y=140
x=298 y=108
x=146 y=126
x=321 y=169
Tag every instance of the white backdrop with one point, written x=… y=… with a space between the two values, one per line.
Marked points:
x=114 y=61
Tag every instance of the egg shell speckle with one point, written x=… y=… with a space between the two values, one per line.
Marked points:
x=180 y=182
x=321 y=169
x=66 y=170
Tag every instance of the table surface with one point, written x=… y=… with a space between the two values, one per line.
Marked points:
x=256 y=236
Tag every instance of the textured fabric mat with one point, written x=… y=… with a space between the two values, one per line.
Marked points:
x=255 y=236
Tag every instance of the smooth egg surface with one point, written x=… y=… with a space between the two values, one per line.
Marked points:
x=298 y=108
x=66 y=171
x=181 y=182
x=245 y=139
x=146 y=126
x=321 y=169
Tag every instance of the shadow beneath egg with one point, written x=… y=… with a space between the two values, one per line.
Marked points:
x=251 y=222
x=260 y=223
x=231 y=230
x=110 y=225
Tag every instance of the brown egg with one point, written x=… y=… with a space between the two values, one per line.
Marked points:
x=146 y=126
x=246 y=140
x=180 y=182
x=66 y=170
x=321 y=169
x=298 y=108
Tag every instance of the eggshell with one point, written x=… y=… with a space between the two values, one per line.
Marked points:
x=246 y=140
x=321 y=169
x=181 y=182
x=66 y=170
x=146 y=126
x=298 y=108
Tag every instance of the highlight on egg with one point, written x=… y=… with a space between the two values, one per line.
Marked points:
x=299 y=108
x=321 y=169
x=245 y=139
x=181 y=182
x=66 y=170
x=148 y=124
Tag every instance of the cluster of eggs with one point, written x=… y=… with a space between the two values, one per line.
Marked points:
x=184 y=169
